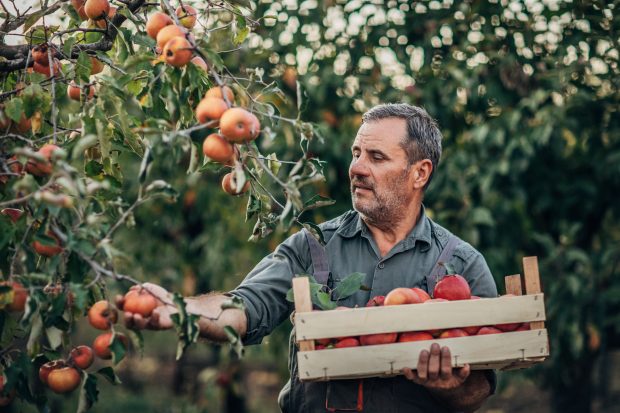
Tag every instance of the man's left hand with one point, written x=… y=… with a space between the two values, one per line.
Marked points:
x=435 y=370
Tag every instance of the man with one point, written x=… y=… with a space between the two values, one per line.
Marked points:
x=390 y=239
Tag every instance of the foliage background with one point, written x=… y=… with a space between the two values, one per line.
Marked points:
x=526 y=94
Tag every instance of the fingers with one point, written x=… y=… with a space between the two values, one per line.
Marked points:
x=161 y=319
x=434 y=362
x=464 y=372
x=446 y=364
x=435 y=369
x=410 y=374
x=423 y=364
x=119 y=300
x=159 y=292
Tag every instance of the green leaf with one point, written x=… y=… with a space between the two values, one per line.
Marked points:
x=137 y=340
x=39 y=34
x=33 y=18
x=14 y=109
x=54 y=337
x=118 y=348
x=89 y=393
x=449 y=268
x=349 y=286
x=253 y=207
x=194 y=159
x=315 y=231
x=93 y=168
x=317 y=201
x=36 y=331
x=68 y=45
x=314 y=288
x=83 y=67
x=146 y=161
x=241 y=35
x=273 y=164
x=323 y=301
x=110 y=375
x=162 y=189
x=186 y=325
x=234 y=303
x=234 y=340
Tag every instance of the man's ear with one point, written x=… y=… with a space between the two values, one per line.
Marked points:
x=421 y=173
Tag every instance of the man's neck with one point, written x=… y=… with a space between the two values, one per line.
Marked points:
x=388 y=234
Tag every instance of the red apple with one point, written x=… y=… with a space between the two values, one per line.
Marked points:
x=101 y=315
x=63 y=380
x=488 y=330
x=400 y=296
x=12 y=213
x=523 y=327
x=473 y=330
x=453 y=332
x=82 y=356
x=414 y=336
x=20 y=296
x=101 y=345
x=423 y=295
x=347 y=342
x=508 y=326
x=6 y=400
x=376 y=301
x=381 y=338
x=44 y=370
x=140 y=302
x=452 y=287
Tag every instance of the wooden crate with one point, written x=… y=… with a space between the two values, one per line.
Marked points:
x=495 y=351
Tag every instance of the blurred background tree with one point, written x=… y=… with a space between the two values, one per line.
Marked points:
x=526 y=94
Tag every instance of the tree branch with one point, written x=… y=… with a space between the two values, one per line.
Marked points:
x=17 y=55
x=10 y=25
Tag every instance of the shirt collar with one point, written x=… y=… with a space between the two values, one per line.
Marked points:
x=421 y=232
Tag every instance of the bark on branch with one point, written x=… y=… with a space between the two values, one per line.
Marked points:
x=17 y=55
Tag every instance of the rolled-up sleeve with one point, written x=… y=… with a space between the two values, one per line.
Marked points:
x=264 y=289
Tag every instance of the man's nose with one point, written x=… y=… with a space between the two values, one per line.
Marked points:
x=358 y=167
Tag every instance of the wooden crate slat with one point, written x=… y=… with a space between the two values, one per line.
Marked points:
x=513 y=284
x=419 y=317
x=303 y=303
x=532 y=283
x=500 y=350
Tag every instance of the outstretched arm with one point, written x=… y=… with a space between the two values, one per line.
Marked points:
x=209 y=307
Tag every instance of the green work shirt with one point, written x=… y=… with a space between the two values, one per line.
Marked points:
x=351 y=248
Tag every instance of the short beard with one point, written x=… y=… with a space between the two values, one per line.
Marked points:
x=388 y=207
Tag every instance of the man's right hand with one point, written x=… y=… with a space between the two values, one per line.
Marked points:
x=159 y=319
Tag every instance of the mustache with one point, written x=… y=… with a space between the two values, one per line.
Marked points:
x=361 y=183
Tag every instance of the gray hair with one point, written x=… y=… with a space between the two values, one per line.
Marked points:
x=423 y=140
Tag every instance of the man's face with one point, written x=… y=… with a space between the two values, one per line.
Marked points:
x=381 y=180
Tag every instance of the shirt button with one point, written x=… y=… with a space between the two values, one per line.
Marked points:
x=381 y=265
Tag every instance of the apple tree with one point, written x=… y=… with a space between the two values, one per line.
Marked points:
x=108 y=108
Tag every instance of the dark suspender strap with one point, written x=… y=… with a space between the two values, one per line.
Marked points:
x=319 y=259
x=438 y=269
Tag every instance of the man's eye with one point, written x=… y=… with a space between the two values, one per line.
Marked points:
x=377 y=157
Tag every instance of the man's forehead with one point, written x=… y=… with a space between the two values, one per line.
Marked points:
x=389 y=131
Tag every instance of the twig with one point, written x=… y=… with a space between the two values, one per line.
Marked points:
x=139 y=200
x=101 y=270
x=26 y=197
x=262 y=164
x=17 y=248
